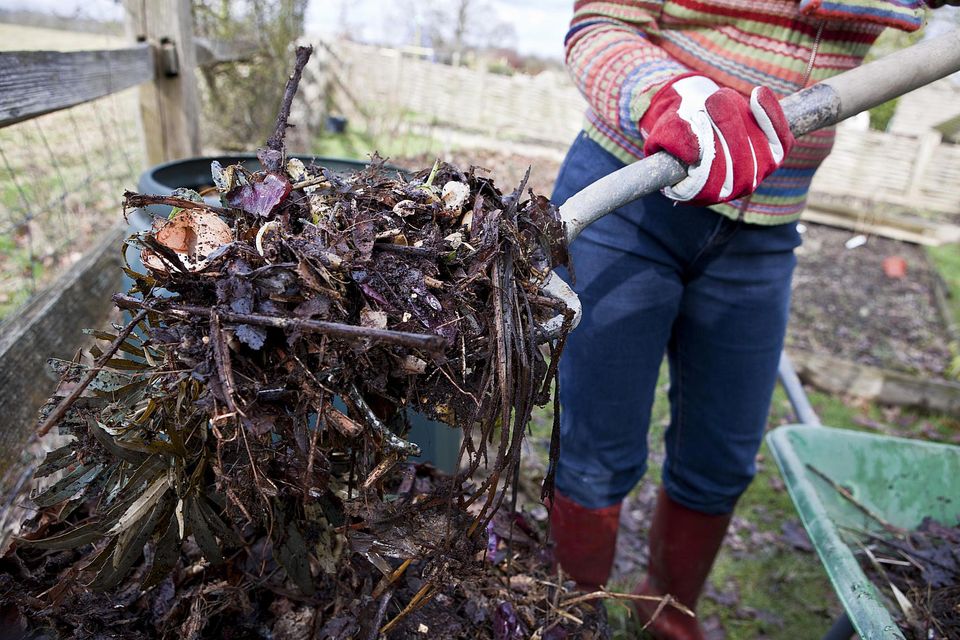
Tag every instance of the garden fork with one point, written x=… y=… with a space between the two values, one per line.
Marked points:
x=820 y=105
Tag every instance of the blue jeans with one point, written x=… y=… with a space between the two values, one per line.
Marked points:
x=711 y=292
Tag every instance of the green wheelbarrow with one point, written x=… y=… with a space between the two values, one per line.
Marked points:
x=898 y=479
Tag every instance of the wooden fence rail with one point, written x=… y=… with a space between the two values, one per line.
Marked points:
x=33 y=83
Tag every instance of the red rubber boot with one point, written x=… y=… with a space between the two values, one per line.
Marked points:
x=683 y=546
x=585 y=540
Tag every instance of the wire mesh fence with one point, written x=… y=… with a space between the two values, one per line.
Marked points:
x=61 y=179
x=61 y=174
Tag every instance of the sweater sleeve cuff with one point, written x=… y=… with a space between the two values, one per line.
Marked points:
x=641 y=85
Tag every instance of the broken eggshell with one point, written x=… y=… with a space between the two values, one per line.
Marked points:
x=296 y=169
x=373 y=319
x=405 y=208
x=454 y=195
x=272 y=225
x=192 y=234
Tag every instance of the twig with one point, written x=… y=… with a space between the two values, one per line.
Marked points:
x=566 y=615
x=315 y=435
x=221 y=358
x=390 y=439
x=65 y=404
x=843 y=491
x=402 y=248
x=874 y=561
x=378 y=617
x=311 y=182
x=166 y=254
x=420 y=598
x=546 y=301
x=136 y=200
x=275 y=144
x=432 y=343
x=656 y=612
x=393 y=577
x=603 y=594
x=380 y=470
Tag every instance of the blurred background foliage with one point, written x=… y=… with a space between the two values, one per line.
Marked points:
x=241 y=99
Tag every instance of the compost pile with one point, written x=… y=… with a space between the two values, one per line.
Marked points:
x=237 y=450
x=508 y=593
x=919 y=572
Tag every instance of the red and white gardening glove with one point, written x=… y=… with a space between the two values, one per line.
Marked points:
x=729 y=143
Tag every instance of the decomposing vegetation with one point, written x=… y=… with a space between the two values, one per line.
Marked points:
x=918 y=572
x=237 y=454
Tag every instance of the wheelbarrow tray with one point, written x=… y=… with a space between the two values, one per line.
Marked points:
x=900 y=480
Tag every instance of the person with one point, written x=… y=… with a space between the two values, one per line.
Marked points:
x=701 y=272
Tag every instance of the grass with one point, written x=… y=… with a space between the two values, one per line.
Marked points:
x=946 y=259
x=61 y=175
x=52 y=207
x=788 y=589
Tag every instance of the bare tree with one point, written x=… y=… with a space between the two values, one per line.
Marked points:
x=240 y=99
x=451 y=27
x=461 y=24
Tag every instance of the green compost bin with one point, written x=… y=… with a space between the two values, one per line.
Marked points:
x=439 y=444
x=899 y=479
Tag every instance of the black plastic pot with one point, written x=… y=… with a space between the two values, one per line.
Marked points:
x=439 y=443
x=194 y=173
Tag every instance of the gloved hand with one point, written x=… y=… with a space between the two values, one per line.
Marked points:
x=730 y=144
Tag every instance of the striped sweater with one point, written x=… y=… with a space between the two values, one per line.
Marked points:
x=620 y=52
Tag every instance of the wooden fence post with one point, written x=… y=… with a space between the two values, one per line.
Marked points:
x=927 y=145
x=169 y=106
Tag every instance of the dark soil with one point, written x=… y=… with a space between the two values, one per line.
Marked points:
x=844 y=304
x=507 y=594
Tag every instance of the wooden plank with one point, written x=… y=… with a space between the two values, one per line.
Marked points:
x=902 y=226
x=844 y=377
x=170 y=105
x=33 y=83
x=51 y=326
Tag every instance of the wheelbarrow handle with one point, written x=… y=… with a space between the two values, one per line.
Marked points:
x=821 y=105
